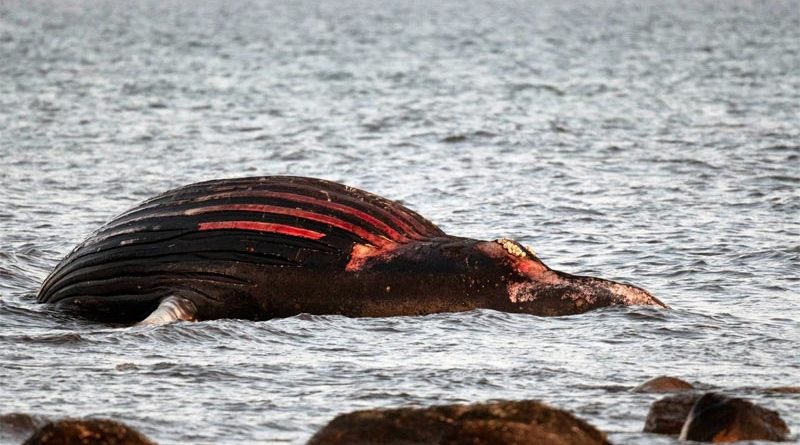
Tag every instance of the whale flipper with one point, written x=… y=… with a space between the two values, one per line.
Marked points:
x=171 y=309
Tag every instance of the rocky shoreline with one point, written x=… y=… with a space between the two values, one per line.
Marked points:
x=685 y=412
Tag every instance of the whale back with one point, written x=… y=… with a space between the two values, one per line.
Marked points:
x=201 y=232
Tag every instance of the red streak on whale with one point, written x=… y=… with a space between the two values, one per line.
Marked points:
x=260 y=227
x=404 y=224
x=311 y=216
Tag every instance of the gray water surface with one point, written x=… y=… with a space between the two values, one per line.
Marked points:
x=652 y=143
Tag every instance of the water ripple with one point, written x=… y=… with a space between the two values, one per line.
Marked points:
x=661 y=152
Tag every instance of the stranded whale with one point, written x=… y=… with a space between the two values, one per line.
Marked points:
x=265 y=247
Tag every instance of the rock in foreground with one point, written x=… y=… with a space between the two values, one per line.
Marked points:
x=14 y=427
x=520 y=423
x=667 y=415
x=717 y=418
x=86 y=432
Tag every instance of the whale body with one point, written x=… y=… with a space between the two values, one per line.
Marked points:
x=265 y=247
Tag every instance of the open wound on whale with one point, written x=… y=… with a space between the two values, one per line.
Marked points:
x=171 y=309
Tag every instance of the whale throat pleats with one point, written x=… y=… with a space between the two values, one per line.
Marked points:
x=194 y=236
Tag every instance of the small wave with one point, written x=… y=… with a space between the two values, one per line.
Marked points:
x=780 y=178
x=782 y=148
x=610 y=388
x=26 y=315
x=543 y=87
x=458 y=138
x=69 y=338
x=247 y=129
x=687 y=162
x=126 y=367
x=198 y=372
x=334 y=76
x=646 y=313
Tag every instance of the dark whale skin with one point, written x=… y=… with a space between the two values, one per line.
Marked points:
x=266 y=247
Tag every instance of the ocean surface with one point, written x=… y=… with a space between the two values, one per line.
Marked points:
x=651 y=142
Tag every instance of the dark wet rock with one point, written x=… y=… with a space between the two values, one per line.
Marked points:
x=491 y=432
x=17 y=426
x=85 y=432
x=520 y=422
x=668 y=415
x=663 y=384
x=718 y=418
x=784 y=390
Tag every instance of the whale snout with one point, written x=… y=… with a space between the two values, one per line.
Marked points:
x=610 y=293
x=567 y=294
x=639 y=296
x=631 y=295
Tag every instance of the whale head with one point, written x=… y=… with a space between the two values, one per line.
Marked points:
x=533 y=287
